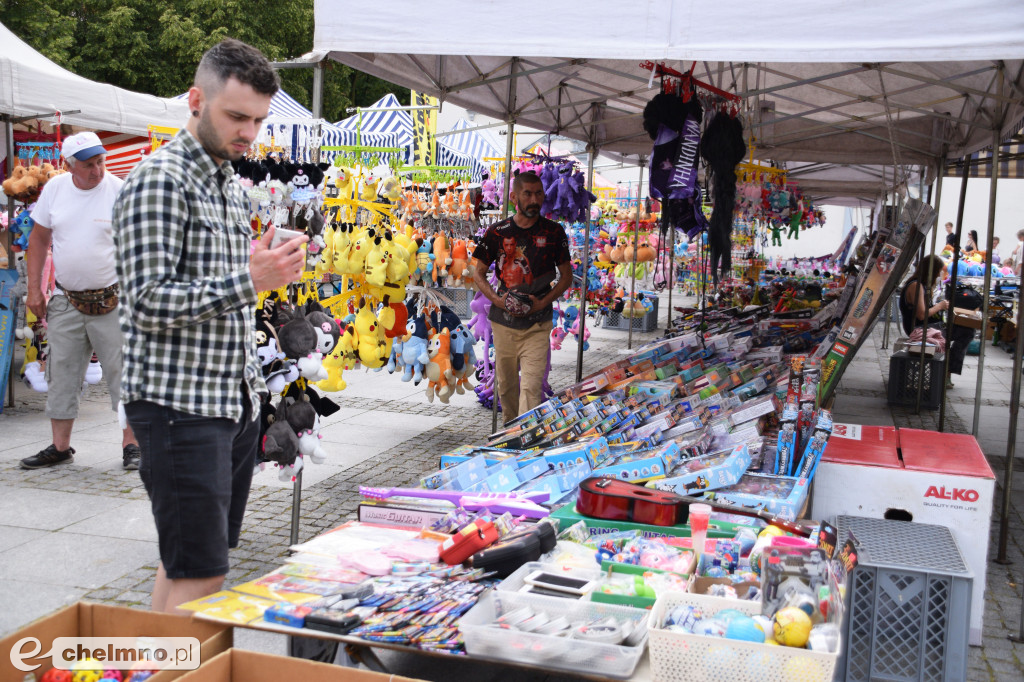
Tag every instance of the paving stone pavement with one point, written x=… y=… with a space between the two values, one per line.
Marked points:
x=327 y=503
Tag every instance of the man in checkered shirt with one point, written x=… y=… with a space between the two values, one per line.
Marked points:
x=191 y=379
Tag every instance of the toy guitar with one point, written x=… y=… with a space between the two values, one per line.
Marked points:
x=609 y=498
x=517 y=504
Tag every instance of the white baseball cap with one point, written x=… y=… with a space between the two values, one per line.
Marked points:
x=82 y=146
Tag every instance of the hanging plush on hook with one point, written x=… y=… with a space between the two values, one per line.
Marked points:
x=722 y=147
x=673 y=123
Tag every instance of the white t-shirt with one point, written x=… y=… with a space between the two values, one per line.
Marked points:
x=83 y=242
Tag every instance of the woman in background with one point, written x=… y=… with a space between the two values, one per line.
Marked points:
x=917 y=309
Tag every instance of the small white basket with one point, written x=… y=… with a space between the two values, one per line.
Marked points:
x=574 y=655
x=680 y=657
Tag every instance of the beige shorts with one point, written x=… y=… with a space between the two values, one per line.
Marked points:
x=72 y=337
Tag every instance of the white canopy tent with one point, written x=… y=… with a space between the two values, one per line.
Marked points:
x=829 y=88
x=34 y=86
x=871 y=83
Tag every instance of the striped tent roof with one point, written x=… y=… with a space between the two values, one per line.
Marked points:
x=471 y=142
x=124 y=151
x=1011 y=160
x=282 y=105
x=393 y=126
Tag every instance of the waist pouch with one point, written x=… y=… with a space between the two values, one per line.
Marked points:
x=93 y=301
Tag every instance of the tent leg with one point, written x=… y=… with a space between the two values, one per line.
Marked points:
x=988 y=277
x=636 y=240
x=585 y=266
x=504 y=214
x=966 y=169
x=1011 y=439
x=9 y=137
x=671 y=278
x=296 y=504
x=318 y=106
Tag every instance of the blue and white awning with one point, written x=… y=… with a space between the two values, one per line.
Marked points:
x=392 y=127
x=472 y=142
x=282 y=105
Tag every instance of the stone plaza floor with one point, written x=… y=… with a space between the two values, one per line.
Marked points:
x=84 y=530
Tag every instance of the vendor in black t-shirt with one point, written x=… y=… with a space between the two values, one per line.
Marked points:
x=527 y=251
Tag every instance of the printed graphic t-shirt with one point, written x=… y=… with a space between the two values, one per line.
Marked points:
x=525 y=261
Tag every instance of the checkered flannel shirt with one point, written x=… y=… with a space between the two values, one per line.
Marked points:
x=187 y=311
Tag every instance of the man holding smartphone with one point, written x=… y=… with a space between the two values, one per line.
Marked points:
x=189 y=277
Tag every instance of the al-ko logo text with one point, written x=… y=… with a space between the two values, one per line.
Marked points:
x=163 y=653
x=958 y=494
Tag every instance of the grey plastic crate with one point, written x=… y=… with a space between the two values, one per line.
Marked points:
x=646 y=323
x=460 y=299
x=908 y=604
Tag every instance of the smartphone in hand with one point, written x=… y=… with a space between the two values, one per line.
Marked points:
x=282 y=235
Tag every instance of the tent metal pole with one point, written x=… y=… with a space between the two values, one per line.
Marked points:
x=988 y=278
x=1011 y=441
x=636 y=240
x=931 y=277
x=318 y=108
x=510 y=135
x=8 y=242
x=966 y=168
x=585 y=267
x=318 y=96
x=671 y=273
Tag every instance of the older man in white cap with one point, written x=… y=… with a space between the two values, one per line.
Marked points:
x=74 y=215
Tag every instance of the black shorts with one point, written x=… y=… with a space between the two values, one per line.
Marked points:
x=197 y=472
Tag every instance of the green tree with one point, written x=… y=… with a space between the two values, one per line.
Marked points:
x=155 y=47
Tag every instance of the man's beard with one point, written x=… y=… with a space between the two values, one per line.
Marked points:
x=208 y=137
x=531 y=211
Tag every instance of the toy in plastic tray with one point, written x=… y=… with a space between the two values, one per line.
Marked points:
x=781 y=495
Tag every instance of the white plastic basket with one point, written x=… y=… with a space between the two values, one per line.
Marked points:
x=560 y=653
x=679 y=657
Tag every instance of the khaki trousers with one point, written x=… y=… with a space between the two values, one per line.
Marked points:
x=520 y=364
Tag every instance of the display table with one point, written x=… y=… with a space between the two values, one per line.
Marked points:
x=913 y=475
x=642 y=674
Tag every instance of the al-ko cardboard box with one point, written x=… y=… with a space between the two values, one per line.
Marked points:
x=100 y=620
x=913 y=475
x=236 y=665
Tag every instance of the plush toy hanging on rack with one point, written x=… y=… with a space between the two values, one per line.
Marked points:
x=673 y=123
x=722 y=147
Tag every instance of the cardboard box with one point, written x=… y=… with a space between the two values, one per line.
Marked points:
x=237 y=665
x=943 y=479
x=86 y=619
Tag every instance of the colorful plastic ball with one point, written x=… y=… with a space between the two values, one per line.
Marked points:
x=140 y=676
x=745 y=630
x=710 y=627
x=56 y=675
x=791 y=627
x=86 y=670
x=729 y=615
x=111 y=674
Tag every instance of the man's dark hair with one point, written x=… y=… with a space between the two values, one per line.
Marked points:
x=527 y=178
x=233 y=58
